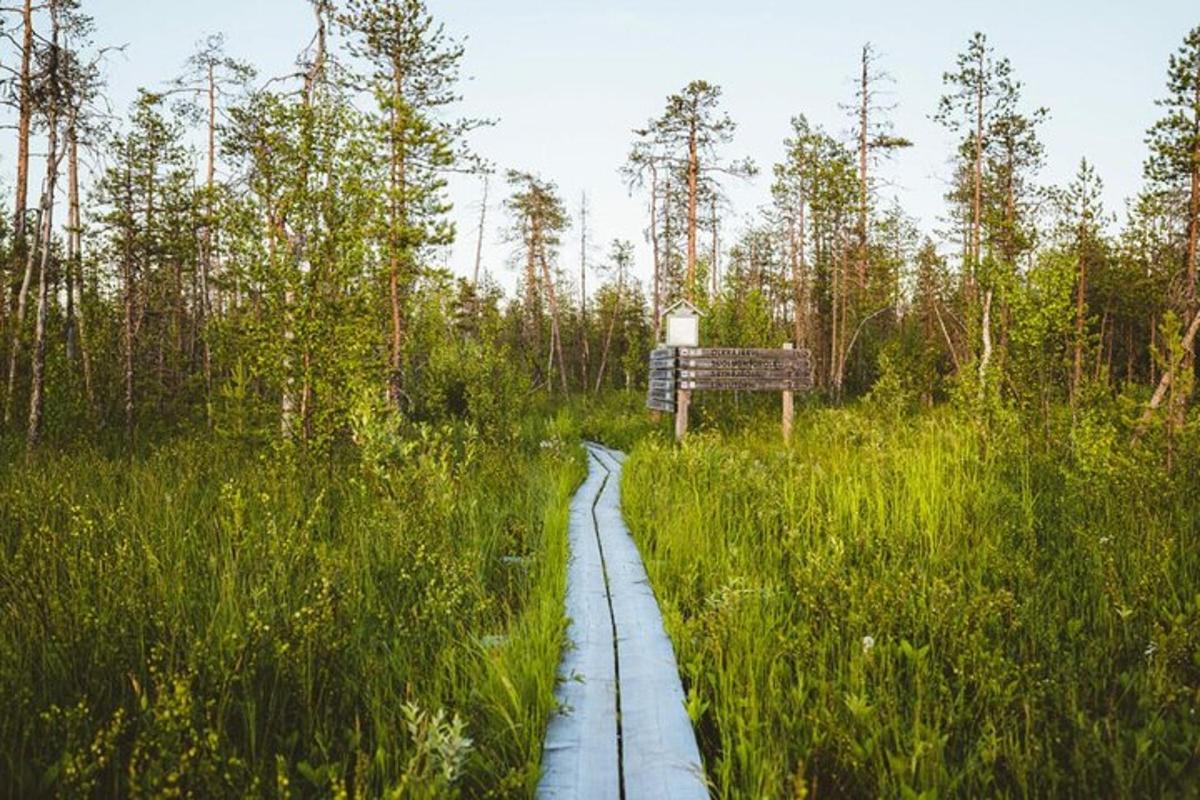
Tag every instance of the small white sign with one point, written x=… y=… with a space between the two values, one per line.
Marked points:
x=683 y=330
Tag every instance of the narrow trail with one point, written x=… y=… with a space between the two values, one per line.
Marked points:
x=623 y=731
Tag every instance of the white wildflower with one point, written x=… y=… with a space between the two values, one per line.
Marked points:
x=867 y=643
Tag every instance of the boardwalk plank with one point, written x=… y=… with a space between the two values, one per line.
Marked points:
x=661 y=759
x=580 y=754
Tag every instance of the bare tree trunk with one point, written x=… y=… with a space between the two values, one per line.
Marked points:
x=533 y=328
x=612 y=324
x=1193 y=235
x=206 y=261
x=716 y=277
x=1168 y=377
x=1080 y=318
x=654 y=248
x=1152 y=347
x=555 y=327
x=834 y=376
x=986 y=332
x=75 y=257
x=584 y=349
x=397 y=186
x=37 y=383
x=797 y=296
x=1105 y=348
x=127 y=322
x=863 y=185
x=693 y=172
x=24 y=118
x=977 y=175
x=479 y=239
x=18 y=325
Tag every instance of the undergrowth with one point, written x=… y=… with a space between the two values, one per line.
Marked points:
x=207 y=620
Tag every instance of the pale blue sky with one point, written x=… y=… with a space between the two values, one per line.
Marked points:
x=568 y=80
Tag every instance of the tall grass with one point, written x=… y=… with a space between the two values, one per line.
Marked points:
x=207 y=621
x=911 y=609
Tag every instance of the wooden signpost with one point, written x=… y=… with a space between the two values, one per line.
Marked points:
x=676 y=372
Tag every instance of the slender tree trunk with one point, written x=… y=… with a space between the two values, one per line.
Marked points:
x=18 y=325
x=37 y=383
x=977 y=173
x=1193 y=234
x=396 y=258
x=1152 y=347
x=985 y=357
x=1080 y=319
x=863 y=185
x=1194 y=200
x=834 y=317
x=797 y=297
x=716 y=277
x=612 y=324
x=479 y=238
x=1168 y=376
x=1105 y=353
x=693 y=173
x=555 y=326
x=75 y=256
x=70 y=332
x=584 y=349
x=533 y=326
x=207 y=246
x=24 y=118
x=127 y=322
x=654 y=248
x=291 y=399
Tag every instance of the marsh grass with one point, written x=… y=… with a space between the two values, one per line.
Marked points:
x=204 y=620
x=909 y=608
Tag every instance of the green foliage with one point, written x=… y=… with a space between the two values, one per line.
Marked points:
x=909 y=610
x=211 y=621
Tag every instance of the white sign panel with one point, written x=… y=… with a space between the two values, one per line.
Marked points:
x=683 y=330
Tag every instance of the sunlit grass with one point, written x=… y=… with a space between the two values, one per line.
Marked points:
x=907 y=608
x=217 y=622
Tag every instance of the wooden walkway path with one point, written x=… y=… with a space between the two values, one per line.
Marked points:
x=622 y=731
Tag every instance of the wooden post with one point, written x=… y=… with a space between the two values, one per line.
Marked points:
x=789 y=409
x=682 y=399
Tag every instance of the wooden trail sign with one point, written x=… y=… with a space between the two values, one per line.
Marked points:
x=676 y=372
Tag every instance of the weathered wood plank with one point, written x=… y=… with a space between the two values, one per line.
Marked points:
x=746 y=352
x=797 y=384
x=738 y=361
x=766 y=374
x=660 y=758
x=580 y=755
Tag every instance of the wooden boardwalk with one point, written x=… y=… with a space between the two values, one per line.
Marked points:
x=622 y=731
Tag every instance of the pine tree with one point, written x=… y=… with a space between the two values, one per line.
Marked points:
x=1175 y=158
x=689 y=133
x=539 y=218
x=414 y=76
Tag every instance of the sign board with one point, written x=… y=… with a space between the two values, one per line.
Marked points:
x=743 y=369
x=681 y=367
x=683 y=331
x=661 y=394
x=739 y=369
x=682 y=325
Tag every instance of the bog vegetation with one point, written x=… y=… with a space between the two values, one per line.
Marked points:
x=283 y=498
